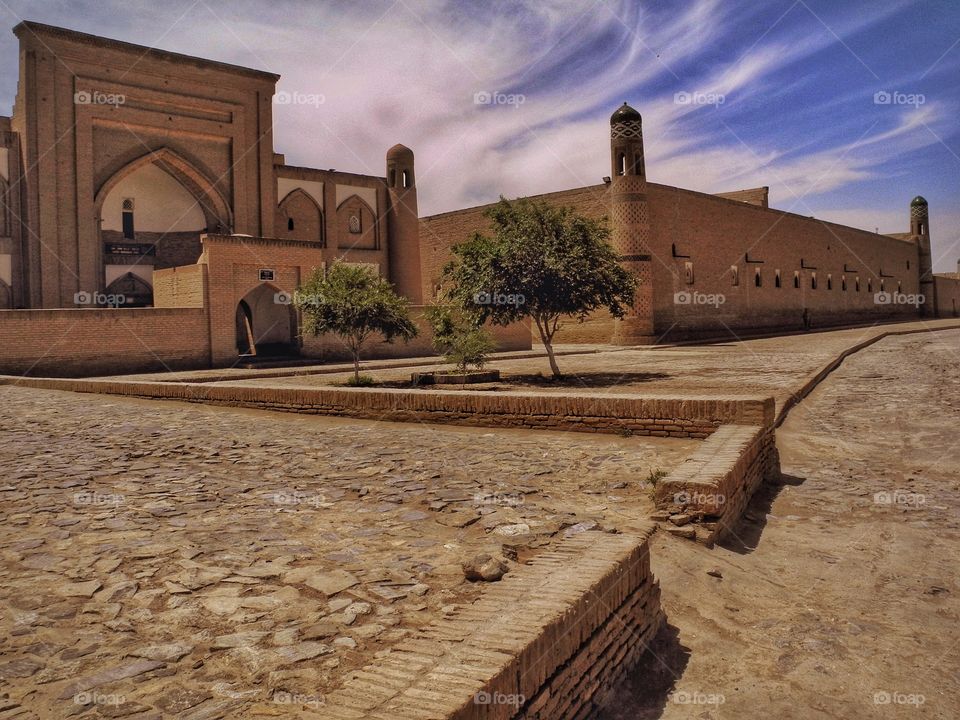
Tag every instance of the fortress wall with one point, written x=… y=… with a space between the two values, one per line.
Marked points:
x=106 y=341
x=948 y=295
x=715 y=234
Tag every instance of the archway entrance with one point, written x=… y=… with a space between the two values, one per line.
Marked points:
x=266 y=324
x=135 y=291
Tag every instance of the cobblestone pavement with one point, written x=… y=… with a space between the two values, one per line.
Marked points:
x=840 y=596
x=773 y=367
x=174 y=560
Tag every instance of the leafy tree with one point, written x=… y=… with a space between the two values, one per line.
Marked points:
x=353 y=303
x=459 y=337
x=541 y=262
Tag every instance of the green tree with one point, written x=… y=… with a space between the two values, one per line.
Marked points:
x=459 y=337
x=353 y=303
x=541 y=262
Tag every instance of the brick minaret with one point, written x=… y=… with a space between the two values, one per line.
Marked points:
x=403 y=225
x=920 y=229
x=630 y=223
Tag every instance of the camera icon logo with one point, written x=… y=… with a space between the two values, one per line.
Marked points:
x=82 y=97
x=882 y=97
x=482 y=98
x=282 y=298
x=83 y=298
x=682 y=298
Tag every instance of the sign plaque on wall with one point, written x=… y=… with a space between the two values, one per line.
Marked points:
x=269 y=275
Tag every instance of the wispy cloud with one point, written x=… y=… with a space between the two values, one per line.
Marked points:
x=797 y=81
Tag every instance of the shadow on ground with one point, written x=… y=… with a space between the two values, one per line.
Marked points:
x=745 y=537
x=643 y=694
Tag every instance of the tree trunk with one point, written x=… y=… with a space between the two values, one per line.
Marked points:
x=356 y=367
x=547 y=341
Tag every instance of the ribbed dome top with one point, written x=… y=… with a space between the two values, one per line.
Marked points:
x=624 y=113
x=400 y=151
x=918 y=201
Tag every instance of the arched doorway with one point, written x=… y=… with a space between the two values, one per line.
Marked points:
x=135 y=291
x=266 y=323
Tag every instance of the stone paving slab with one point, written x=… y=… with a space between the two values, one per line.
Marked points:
x=165 y=559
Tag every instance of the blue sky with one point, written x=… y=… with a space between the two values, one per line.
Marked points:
x=845 y=109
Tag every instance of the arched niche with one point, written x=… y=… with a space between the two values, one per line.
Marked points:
x=300 y=217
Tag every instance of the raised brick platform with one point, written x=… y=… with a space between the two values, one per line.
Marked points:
x=714 y=485
x=545 y=643
x=656 y=415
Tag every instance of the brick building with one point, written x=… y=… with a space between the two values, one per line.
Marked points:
x=727 y=264
x=147 y=222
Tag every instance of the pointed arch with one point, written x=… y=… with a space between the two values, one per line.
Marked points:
x=357 y=225
x=301 y=216
x=216 y=210
x=266 y=323
x=136 y=291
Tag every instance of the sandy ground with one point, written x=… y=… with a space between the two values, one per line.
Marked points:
x=840 y=597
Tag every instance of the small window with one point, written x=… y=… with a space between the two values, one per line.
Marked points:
x=289 y=223
x=735 y=275
x=621 y=164
x=829 y=281
x=796 y=279
x=688 y=272
x=883 y=286
x=354 y=224
x=899 y=287
x=777 y=282
x=908 y=264
x=843 y=283
x=757 y=280
x=406 y=178
x=393 y=177
x=127 y=219
x=813 y=281
x=869 y=285
x=856 y=284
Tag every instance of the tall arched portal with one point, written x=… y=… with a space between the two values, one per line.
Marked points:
x=151 y=215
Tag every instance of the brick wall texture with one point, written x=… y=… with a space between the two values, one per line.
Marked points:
x=102 y=342
x=714 y=234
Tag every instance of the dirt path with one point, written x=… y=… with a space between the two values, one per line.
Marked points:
x=840 y=599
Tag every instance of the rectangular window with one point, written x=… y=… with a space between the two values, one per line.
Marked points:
x=776 y=279
x=128 y=233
